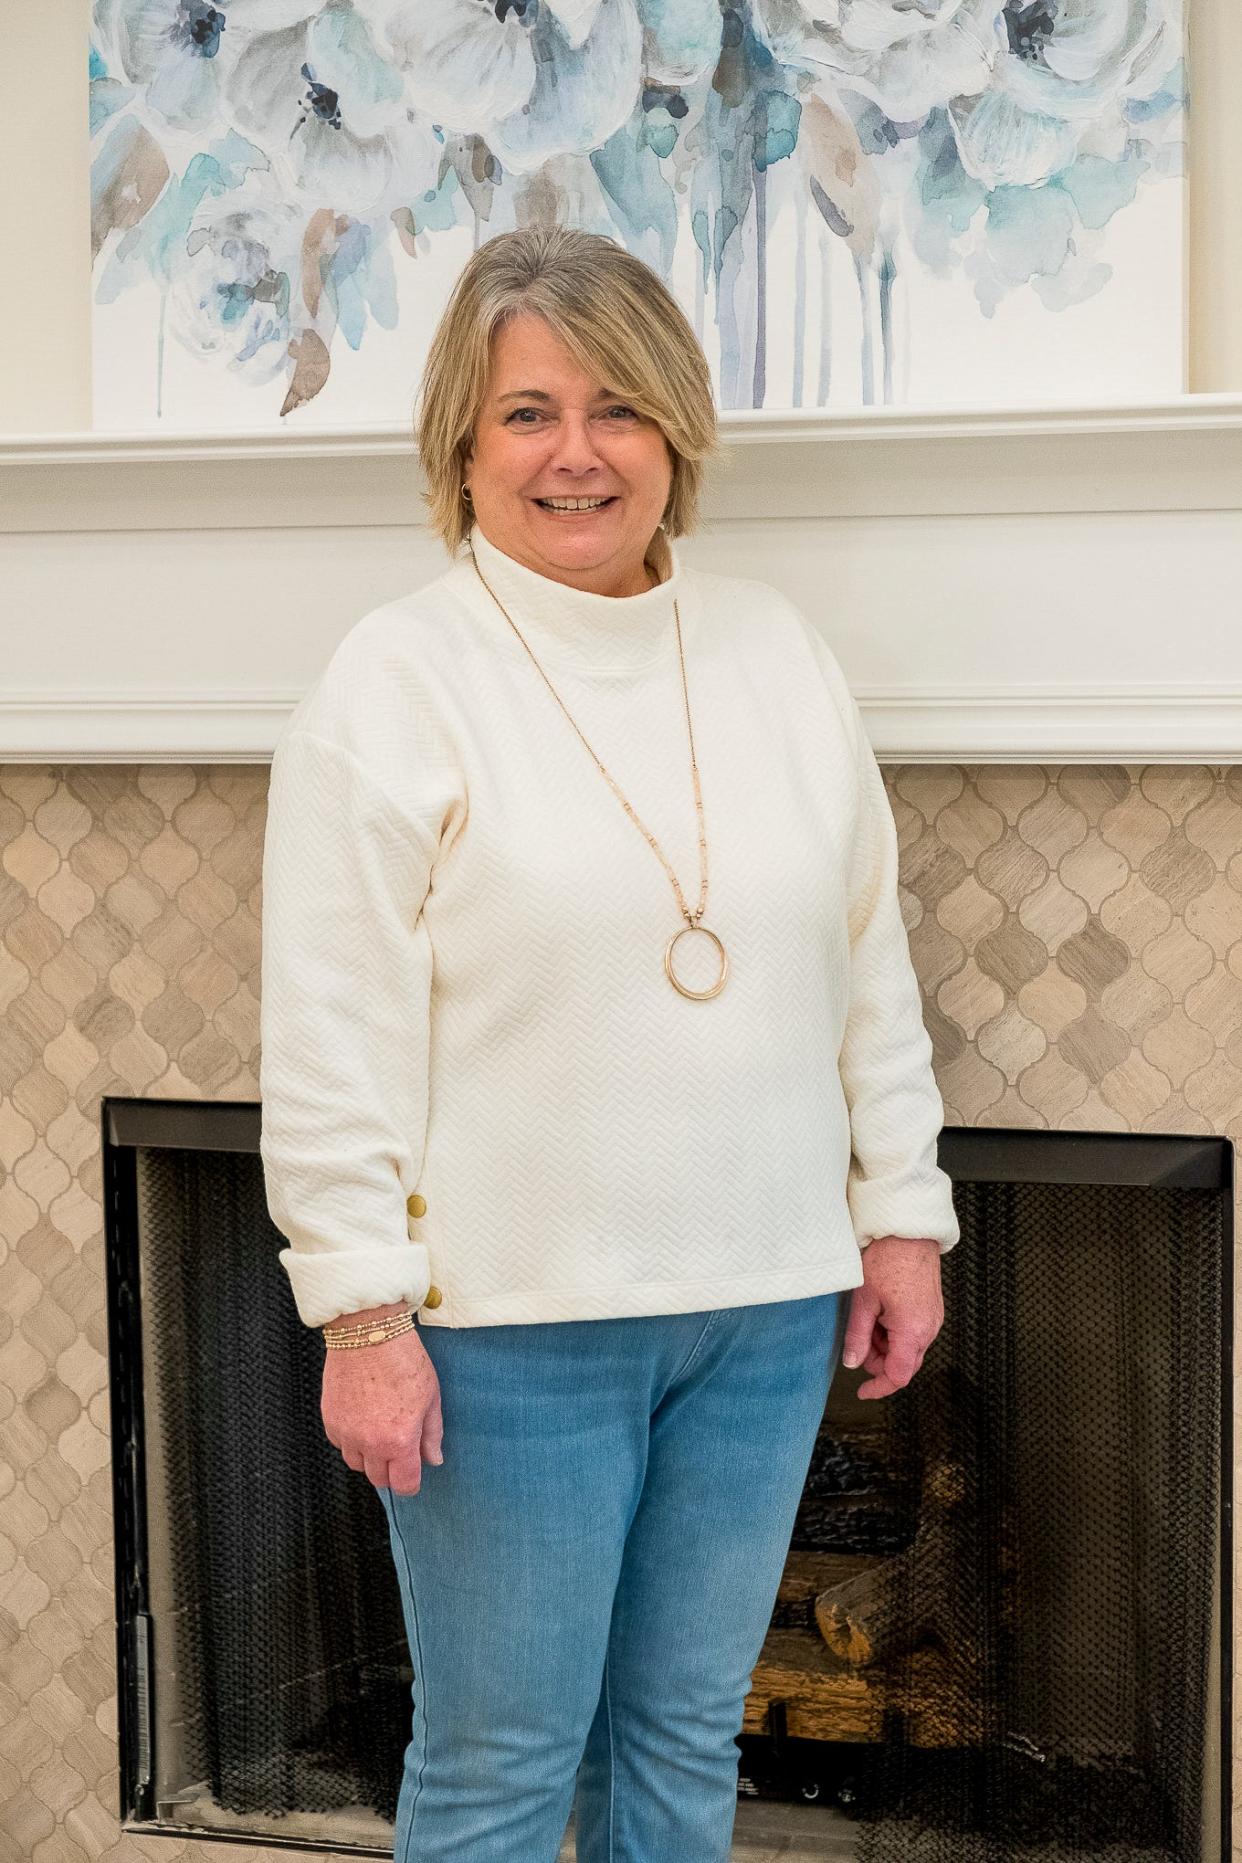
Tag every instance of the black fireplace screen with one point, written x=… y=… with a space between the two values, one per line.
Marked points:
x=1014 y=1566
x=1006 y=1604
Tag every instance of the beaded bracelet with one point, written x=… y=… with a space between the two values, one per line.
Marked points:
x=368 y=1332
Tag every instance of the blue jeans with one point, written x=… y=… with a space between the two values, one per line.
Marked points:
x=588 y=1577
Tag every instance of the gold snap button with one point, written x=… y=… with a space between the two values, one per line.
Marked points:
x=433 y=1298
x=416 y=1205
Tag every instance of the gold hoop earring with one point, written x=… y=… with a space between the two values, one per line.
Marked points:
x=465 y=492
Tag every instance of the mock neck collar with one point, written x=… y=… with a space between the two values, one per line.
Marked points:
x=574 y=627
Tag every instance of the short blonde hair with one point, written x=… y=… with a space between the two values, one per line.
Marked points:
x=618 y=320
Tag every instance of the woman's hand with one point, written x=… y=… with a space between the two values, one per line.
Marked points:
x=896 y=1313
x=381 y=1409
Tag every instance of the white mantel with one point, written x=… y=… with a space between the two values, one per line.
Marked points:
x=1031 y=584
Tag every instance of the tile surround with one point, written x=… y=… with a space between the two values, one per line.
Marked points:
x=1077 y=931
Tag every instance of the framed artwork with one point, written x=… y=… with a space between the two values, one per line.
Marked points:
x=858 y=203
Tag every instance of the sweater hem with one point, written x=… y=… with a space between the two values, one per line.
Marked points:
x=538 y=1306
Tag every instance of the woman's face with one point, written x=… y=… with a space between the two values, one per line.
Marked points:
x=545 y=430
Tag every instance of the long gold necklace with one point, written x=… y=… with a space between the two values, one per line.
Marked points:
x=692 y=919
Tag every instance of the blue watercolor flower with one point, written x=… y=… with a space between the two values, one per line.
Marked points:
x=905 y=56
x=233 y=293
x=177 y=50
x=329 y=110
x=1061 y=80
x=534 y=78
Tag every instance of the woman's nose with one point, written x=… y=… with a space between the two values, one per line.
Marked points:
x=575 y=446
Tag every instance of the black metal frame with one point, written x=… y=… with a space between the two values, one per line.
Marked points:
x=991 y=1154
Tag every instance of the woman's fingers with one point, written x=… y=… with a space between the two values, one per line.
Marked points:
x=859 y=1340
x=403 y=1474
x=898 y=1369
x=433 y=1434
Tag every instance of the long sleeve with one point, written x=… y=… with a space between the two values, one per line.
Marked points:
x=346 y=973
x=895 y=1185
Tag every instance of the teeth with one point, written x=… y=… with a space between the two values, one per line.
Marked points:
x=572 y=504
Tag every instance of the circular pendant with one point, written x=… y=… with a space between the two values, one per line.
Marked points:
x=699 y=995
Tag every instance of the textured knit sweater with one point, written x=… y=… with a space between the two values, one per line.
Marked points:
x=476 y=1078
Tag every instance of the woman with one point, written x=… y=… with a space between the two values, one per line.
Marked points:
x=584 y=1125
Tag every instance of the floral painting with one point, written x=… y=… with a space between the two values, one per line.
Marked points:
x=857 y=202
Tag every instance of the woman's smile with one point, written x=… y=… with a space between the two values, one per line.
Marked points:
x=576 y=512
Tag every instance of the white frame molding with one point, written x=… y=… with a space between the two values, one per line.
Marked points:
x=1104 y=539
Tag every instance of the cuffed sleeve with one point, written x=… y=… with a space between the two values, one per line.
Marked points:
x=344 y=1021
x=895 y=1185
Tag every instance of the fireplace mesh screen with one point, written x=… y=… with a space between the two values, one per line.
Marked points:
x=1055 y=1476
x=1042 y=1498
x=283 y=1639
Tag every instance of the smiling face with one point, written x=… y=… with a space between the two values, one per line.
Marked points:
x=547 y=431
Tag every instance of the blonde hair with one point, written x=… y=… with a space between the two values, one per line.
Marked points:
x=617 y=319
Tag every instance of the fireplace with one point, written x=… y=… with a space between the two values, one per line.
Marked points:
x=980 y=1596
x=1002 y=1619
x=1064 y=776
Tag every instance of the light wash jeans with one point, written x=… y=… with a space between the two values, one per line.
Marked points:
x=588 y=1577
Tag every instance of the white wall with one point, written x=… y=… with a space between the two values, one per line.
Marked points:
x=45 y=308
x=45 y=370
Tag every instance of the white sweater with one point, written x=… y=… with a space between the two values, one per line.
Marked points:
x=463 y=987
